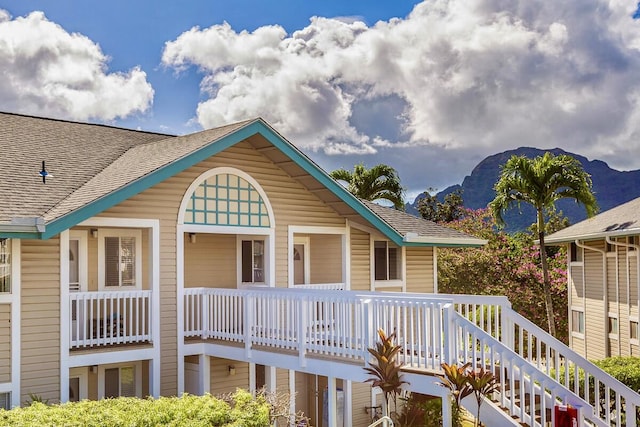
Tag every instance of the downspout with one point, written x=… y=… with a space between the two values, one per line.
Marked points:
x=605 y=297
x=636 y=248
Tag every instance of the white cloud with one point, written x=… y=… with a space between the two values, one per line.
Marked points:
x=49 y=71
x=481 y=75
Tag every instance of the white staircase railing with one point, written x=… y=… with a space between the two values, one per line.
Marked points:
x=610 y=400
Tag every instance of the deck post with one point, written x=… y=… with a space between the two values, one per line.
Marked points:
x=204 y=377
x=332 y=404
x=449 y=333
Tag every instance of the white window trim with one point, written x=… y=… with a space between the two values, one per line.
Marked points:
x=266 y=261
x=137 y=372
x=577 y=334
x=119 y=232
x=83 y=254
x=634 y=341
x=381 y=284
x=83 y=375
x=613 y=335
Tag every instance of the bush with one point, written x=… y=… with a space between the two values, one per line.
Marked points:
x=198 y=411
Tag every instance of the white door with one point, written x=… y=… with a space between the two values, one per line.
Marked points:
x=301 y=262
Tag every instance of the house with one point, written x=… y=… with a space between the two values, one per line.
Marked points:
x=603 y=282
x=136 y=263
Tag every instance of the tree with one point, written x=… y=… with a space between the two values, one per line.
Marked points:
x=450 y=209
x=541 y=182
x=379 y=182
x=509 y=265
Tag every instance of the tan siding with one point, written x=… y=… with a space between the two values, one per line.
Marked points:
x=5 y=343
x=282 y=381
x=211 y=261
x=633 y=285
x=419 y=269
x=292 y=205
x=222 y=382
x=302 y=393
x=361 y=398
x=611 y=283
x=576 y=288
x=360 y=260
x=595 y=332
x=326 y=258
x=40 y=299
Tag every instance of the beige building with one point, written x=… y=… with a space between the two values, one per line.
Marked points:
x=127 y=268
x=603 y=282
x=139 y=264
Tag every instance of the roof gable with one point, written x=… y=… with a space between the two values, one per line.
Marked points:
x=135 y=167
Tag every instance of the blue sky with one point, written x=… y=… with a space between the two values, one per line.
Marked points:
x=428 y=87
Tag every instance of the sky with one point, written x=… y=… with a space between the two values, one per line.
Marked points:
x=430 y=88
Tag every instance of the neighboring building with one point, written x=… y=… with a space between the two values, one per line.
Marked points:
x=603 y=282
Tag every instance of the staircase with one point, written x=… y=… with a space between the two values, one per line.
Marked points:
x=307 y=329
x=535 y=371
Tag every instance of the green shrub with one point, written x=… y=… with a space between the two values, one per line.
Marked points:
x=198 y=411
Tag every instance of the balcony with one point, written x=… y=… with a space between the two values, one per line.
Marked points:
x=108 y=318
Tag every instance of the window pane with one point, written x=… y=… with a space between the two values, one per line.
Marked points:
x=577 y=321
x=247 y=261
x=111 y=382
x=380 y=260
x=258 y=261
x=613 y=325
x=394 y=263
x=127 y=382
x=74 y=389
x=128 y=260
x=633 y=330
x=74 y=265
x=5 y=265
x=5 y=401
x=111 y=260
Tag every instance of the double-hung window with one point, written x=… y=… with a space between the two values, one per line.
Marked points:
x=253 y=261
x=387 y=261
x=120 y=259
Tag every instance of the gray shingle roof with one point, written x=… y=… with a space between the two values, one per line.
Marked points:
x=90 y=162
x=621 y=220
x=74 y=154
x=411 y=226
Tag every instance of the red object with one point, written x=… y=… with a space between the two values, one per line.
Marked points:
x=565 y=416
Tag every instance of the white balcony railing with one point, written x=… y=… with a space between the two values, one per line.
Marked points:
x=319 y=323
x=109 y=317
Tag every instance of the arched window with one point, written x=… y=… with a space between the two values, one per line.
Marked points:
x=226 y=199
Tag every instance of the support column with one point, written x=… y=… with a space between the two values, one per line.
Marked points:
x=348 y=404
x=204 y=374
x=332 y=404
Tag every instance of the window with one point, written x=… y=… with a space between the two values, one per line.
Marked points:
x=387 y=260
x=253 y=258
x=632 y=240
x=613 y=325
x=633 y=330
x=577 y=321
x=5 y=401
x=576 y=253
x=609 y=247
x=5 y=265
x=120 y=382
x=120 y=254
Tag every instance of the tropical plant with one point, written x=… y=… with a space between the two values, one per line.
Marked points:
x=541 y=182
x=385 y=369
x=482 y=383
x=455 y=379
x=381 y=182
x=447 y=210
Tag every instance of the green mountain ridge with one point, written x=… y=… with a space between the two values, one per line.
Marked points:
x=611 y=187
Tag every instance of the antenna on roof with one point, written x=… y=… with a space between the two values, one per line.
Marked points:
x=44 y=174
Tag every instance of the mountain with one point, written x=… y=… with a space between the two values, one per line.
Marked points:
x=611 y=187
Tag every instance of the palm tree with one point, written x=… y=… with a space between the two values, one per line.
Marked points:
x=379 y=182
x=541 y=182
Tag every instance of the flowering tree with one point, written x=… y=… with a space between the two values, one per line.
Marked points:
x=508 y=265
